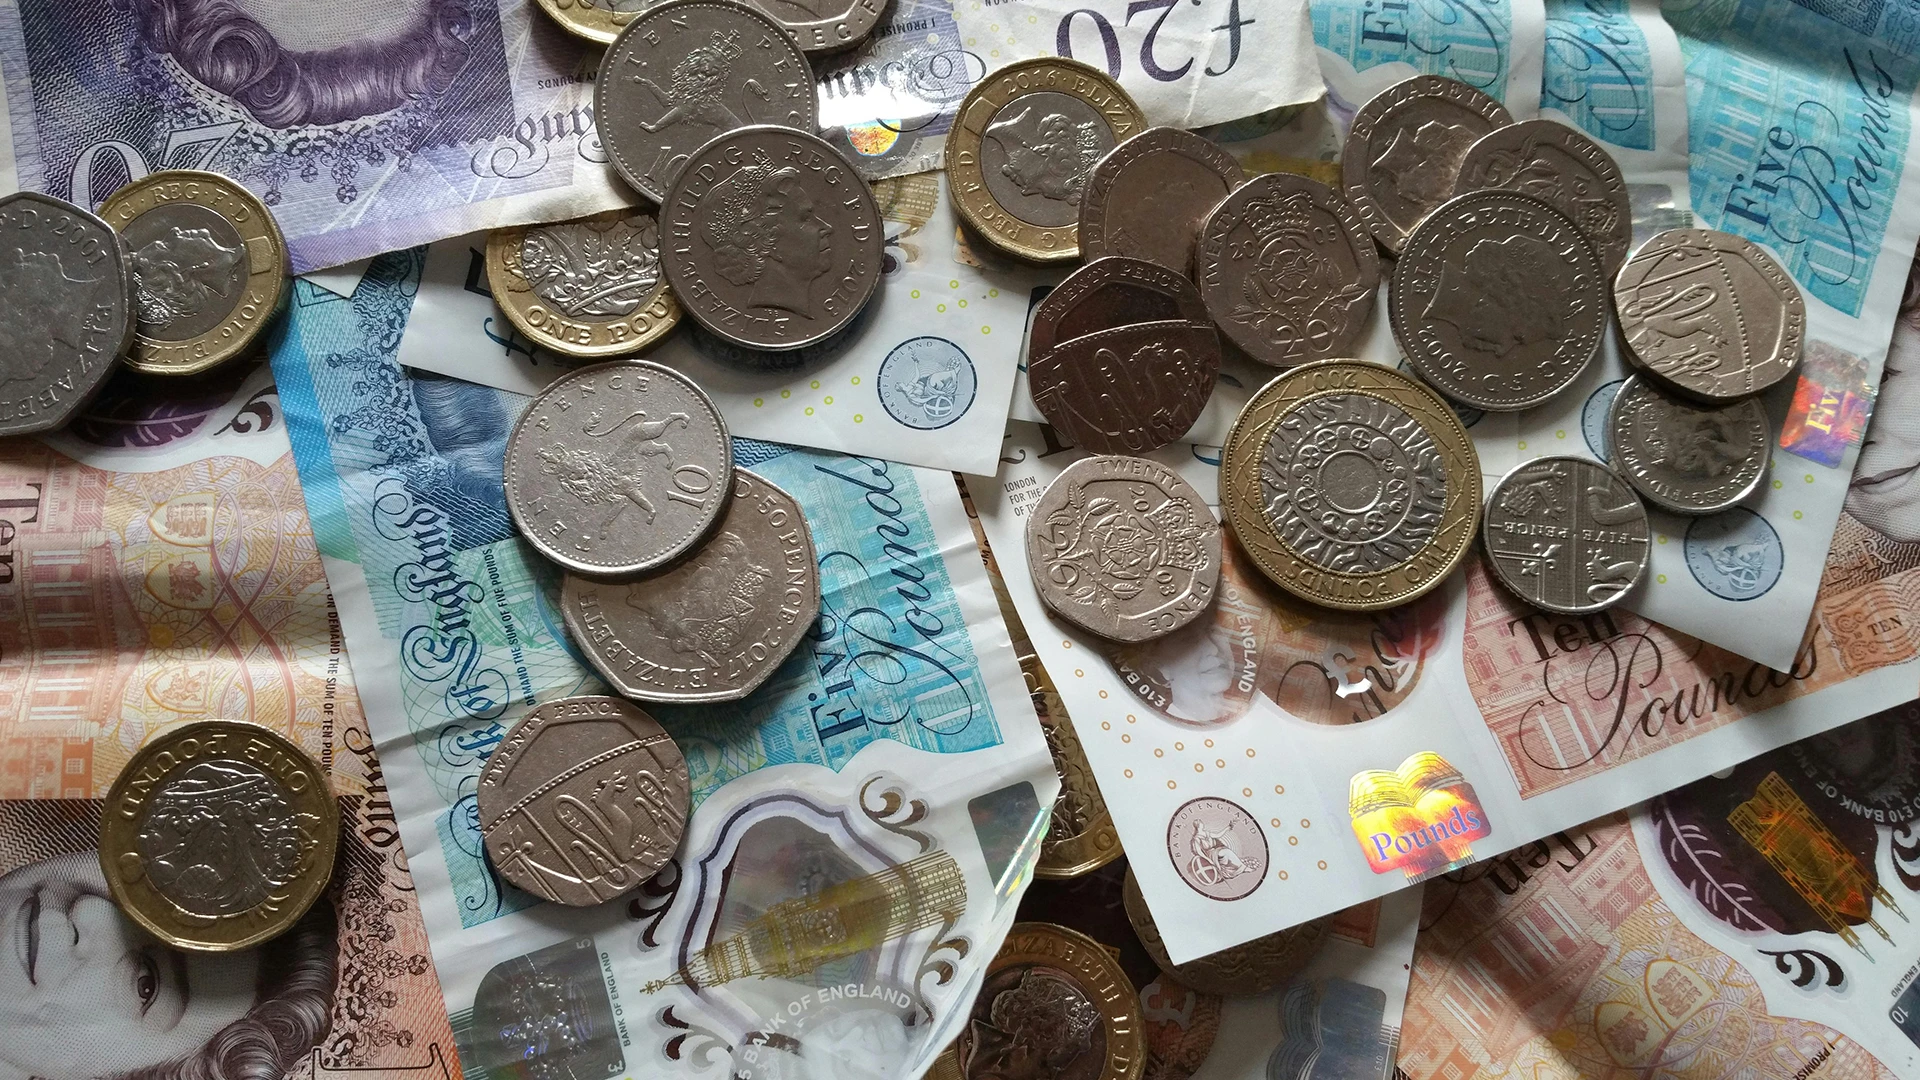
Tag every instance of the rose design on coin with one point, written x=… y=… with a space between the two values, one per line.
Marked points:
x=1217 y=848
x=584 y=270
x=223 y=836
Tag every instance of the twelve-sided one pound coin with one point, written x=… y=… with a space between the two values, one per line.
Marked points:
x=590 y=288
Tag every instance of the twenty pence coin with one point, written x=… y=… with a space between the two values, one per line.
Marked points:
x=1710 y=314
x=1248 y=968
x=590 y=288
x=1057 y=996
x=597 y=772
x=1129 y=390
x=618 y=468
x=219 y=835
x=1023 y=143
x=209 y=268
x=1563 y=168
x=1686 y=457
x=1109 y=293
x=66 y=296
x=1404 y=149
x=1145 y=199
x=1351 y=485
x=718 y=624
x=1566 y=534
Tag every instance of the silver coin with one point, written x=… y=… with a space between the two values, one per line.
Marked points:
x=1109 y=293
x=823 y=26
x=1146 y=198
x=771 y=239
x=1566 y=534
x=1563 y=168
x=1122 y=547
x=1287 y=271
x=1687 y=457
x=717 y=625
x=1404 y=149
x=688 y=71
x=1710 y=314
x=618 y=468
x=583 y=800
x=65 y=310
x=1498 y=301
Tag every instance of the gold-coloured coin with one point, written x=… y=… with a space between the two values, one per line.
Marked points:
x=1023 y=144
x=1081 y=838
x=209 y=268
x=1351 y=485
x=219 y=835
x=599 y=21
x=1054 y=996
x=1247 y=968
x=589 y=288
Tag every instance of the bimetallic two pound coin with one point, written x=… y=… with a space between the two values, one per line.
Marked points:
x=209 y=268
x=1566 y=534
x=219 y=835
x=1351 y=485
x=1404 y=149
x=66 y=314
x=1054 y=996
x=590 y=288
x=1145 y=199
x=1710 y=314
x=1024 y=142
x=1563 y=168
x=1686 y=457
x=1249 y=968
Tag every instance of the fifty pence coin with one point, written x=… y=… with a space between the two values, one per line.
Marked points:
x=1287 y=271
x=582 y=800
x=219 y=835
x=66 y=315
x=1249 y=968
x=1145 y=199
x=718 y=624
x=771 y=240
x=1055 y=996
x=1498 y=301
x=590 y=288
x=689 y=71
x=209 y=268
x=1109 y=293
x=1129 y=390
x=1686 y=457
x=1351 y=485
x=1710 y=314
x=618 y=468
x=1404 y=149
x=1564 y=169
x=1566 y=534
x=1024 y=141
x=1123 y=548
x=826 y=25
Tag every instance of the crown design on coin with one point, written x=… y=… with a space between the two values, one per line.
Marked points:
x=724 y=47
x=1290 y=214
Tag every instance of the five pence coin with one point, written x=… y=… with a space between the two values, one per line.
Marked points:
x=1566 y=534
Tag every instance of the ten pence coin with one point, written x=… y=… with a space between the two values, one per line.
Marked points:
x=1145 y=199
x=590 y=288
x=771 y=239
x=1129 y=390
x=1563 y=168
x=1710 y=314
x=218 y=835
x=1249 y=968
x=1404 y=149
x=209 y=268
x=618 y=468
x=66 y=314
x=1109 y=293
x=1055 y=996
x=584 y=799
x=1566 y=534
x=1686 y=457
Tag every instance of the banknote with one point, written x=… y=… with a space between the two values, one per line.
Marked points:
x=365 y=130
x=862 y=824
x=1759 y=923
x=889 y=103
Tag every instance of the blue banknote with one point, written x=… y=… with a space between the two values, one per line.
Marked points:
x=1598 y=69
x=1469 y=40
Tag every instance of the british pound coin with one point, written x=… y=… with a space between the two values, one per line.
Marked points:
x=1686 y=457
x=618 y=468
x=771 y=239
x=1024 y=141
x=582 y=800
x=1109 y=293
x=718 y=624
x=1287 y=271
x=1054 y=1003
x=66 y=314
x=1710 y=314
x=1080 y=834
x=1404 y=148
x=209 y=268
x=1129 y=390
x=1351 y=485
x=1123 y=548
x=1566 y=534
x=1498 y=301
x=590 y=288
x=1145 y=199
x=685 y=73
x=1249 y=968
x=218 y=835
x=823 y=26
x=1563 y=168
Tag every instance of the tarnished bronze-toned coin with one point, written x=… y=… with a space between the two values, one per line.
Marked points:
x=1054 y=1003
x=1710 y=314
x=1566 y=534
x=1683 y=456
x=1351 y=485
x=590 y=288
x=1287 y=271
x=1023 y=143
x=1146 y=198
x=209 y=268
x=1249 y=968
x=1128 y=390
x=582 y=800
x=1563 y=168
x=1080 y=835
x=1110 y=293
x=219 y=835
x=1404 y=149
